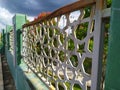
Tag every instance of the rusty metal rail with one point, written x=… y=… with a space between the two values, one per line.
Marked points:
x=66 y=9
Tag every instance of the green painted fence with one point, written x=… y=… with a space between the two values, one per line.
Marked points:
x=24 y=80
x=12 y=58
x=113 y=61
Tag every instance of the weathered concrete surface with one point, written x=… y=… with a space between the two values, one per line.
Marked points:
x=7 y=77
x=1 y=76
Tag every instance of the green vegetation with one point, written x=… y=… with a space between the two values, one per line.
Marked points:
x=71 y=44
x=1 y=42
x=75 y=87
x=109 y=2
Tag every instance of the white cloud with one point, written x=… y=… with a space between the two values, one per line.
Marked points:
x=5 y=17
x=63 y=21
x=72 y=17
x=1 y=26
x=30 y=18
x=32 y=4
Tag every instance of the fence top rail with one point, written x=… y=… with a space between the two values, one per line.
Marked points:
x=63 y=10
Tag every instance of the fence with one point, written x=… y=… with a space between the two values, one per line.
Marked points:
x=64 y=49
x=66 y=56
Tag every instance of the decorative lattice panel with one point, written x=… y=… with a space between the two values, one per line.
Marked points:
x=11 y=39
x=60 y=50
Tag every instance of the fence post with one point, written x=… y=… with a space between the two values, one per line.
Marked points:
x=3 y=42
x=18 y=21
x=8 y=28
x=98 y=47
x=112 y=81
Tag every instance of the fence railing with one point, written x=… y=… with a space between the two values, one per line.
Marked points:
x=63 y=48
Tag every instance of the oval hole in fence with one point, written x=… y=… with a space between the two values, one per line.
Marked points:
x=63 y=21
x=74 y=16
x=87 y=65
x=77 y=87
x=74 y=60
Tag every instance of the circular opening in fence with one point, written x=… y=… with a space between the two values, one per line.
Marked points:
x=90 y=44
x=77 y=87
x=87 y=65
x=50 y=32
x=71 y=44
x=81 y=48
x=81 y=31
x=62 y=56
x=55 y=42
x=62 y=22
x=74 y=60
x=74 y=16
x=62 y=38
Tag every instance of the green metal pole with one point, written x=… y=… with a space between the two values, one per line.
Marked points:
x=112 y=81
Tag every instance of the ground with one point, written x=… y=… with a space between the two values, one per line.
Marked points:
x=7 y=77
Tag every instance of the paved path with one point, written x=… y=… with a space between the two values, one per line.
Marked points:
x=1 y=76
x=7 y=77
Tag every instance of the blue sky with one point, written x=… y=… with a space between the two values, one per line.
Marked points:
x=32 y=8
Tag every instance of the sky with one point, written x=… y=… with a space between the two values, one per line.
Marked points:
x=8 y=8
